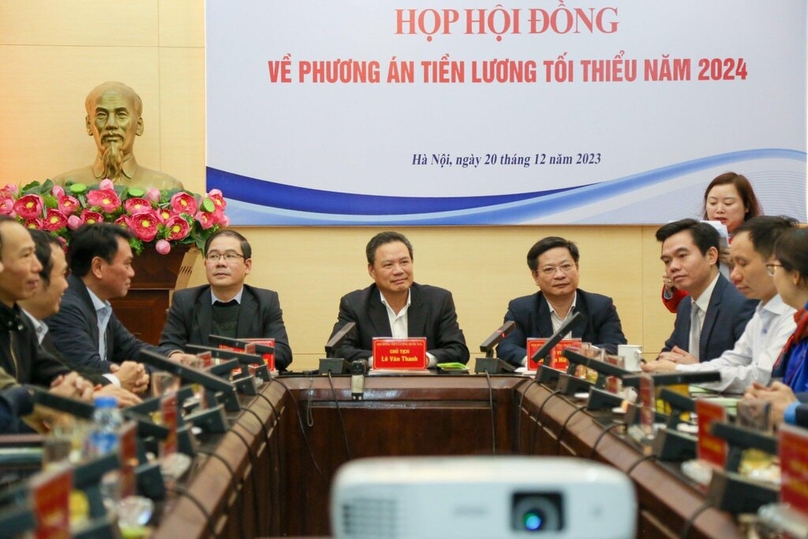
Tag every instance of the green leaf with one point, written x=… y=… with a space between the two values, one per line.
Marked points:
x=77 y=188
x=208 y=205
x=50 y=201
x=136 y=245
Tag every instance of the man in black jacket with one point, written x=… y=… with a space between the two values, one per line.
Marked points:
x=396 y=306
x=226 y=306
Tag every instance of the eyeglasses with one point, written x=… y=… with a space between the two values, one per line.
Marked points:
x=549 y=271
x=227 y=257
x=770 y=268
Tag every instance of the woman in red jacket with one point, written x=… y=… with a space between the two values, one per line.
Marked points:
x=729 y=199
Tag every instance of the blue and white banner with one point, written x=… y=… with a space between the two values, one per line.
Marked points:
x=457 y=113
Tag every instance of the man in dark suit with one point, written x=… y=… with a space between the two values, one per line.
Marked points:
x=45 y=302
x=690 y=254
x=86 y=330
x=395 y=306
x=226 y=306
x=553 y=263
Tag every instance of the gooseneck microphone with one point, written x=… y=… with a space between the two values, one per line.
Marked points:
x=577 y=320
x=491 y=342
x=331 y=363
x=490 y=364
x=335 y=341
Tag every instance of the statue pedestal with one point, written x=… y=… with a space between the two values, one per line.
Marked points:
x=143 y=310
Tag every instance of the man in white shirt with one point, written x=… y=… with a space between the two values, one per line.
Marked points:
x=755 y=352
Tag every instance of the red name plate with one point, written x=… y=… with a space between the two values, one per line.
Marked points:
x=793 y=444
x=399 y=353
x=50 y=497
x=711 y=448
x=207 y=359
x=237 y=370
x=168 y=414
x=128 y=452
x=648 y=400
x=269 y=359
x=557 y=361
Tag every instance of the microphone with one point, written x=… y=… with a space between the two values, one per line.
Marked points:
x=491 y=342
x=193 y=376
x=223 y=353
x=241 y=343
x=489 y=363
x=577 y=320
x=675 y=378
x=331 y=363
x=74 y=407
x=335 y=341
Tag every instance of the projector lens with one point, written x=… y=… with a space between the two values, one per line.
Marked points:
x=532 y=521
x=537 y=512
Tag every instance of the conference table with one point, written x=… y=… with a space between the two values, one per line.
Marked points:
x=270 y=474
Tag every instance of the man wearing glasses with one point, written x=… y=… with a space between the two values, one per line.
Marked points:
x=553 y=263
x=757 y=349
x=226 y=306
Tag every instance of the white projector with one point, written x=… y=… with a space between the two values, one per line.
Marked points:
x=481 y=497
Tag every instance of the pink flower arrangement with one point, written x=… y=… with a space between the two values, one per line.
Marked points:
x=158 y=218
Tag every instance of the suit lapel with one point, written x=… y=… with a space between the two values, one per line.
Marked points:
x=580 y=307
x=84 y=295
x=416 y=320
x=543 y=323
x=203 y=315
x=713 y=310
x=378 y=314
x=247 y=315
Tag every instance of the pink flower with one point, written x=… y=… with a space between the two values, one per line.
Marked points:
x=54 y=220
x=106 y=199
x=106 y=185
x=153 y=194
x=183 y=203
x=136 y=205
x=29 y=206
x=164 y=214
x=57 y=191
x=162 y=247
x=218 y=217
x=74 y=222
x=35 y=224
x=205 y=219
x=7 y=207
x=177 y=228
x=144 y=225
x=90 y=217
x=123 y=222
x=68 y=204
x=10 y=190
x=216 y=196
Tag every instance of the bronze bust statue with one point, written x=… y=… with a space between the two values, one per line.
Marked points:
x=114 y=120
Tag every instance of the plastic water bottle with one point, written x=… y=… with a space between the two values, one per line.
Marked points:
x=103 y=439
x=107 y=420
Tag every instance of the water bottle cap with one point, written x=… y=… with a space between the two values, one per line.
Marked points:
x=106 y=401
